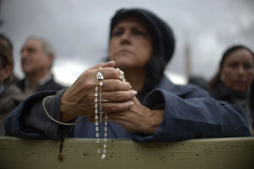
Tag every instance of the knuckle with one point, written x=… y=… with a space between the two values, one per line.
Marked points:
x=117 y=85
x=121 y=84
x=128 y=84
x=88 y=85
x=90 y=97
x=127 y=106
x=116 y=73
x=89 y=73
x=85 y=73
x=118 y=96
x=130 y=95
x=100 y=64
x=86 y=82
x=113 y=108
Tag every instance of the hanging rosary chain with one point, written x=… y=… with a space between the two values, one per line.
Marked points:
x=98 y=105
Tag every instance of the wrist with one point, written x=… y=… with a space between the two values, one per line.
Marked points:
x=67 y=110
x=155 y=120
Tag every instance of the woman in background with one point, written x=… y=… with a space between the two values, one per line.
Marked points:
x=234 y=80
x=10 y=95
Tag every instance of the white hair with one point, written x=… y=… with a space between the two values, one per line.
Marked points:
x=48 y=48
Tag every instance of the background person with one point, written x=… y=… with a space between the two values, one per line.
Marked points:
x=6 y=42
x=37 y=56
x=10 y=95
x=141 y=45
x=234 y=80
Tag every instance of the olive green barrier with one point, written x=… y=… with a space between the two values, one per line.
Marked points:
x=215 y=153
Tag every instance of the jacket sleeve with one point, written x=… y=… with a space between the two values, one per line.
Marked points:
x=29 y=120
x=201 y=117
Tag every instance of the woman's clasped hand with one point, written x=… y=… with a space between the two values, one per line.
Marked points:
x=118 y=100
x=79 y=99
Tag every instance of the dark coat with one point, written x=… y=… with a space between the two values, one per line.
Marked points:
x=9 y=100
x=222 y=93
x=49 y=85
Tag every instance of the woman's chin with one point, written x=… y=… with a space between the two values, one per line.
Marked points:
x=124 y=65
x=240 y=89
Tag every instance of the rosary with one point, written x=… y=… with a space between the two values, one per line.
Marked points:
x=98 y=105
x=98 y=91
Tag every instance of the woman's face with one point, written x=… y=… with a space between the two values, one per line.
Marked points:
x=1 y=73
x=131 y=44
x=5 y=72
x=237 y=71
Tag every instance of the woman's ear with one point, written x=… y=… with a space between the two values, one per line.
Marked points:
x=7 y=71
x=51 y=59
x=221 y=74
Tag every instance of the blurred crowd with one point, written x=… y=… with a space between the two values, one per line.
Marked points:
x=232 y=83
x=37 y=56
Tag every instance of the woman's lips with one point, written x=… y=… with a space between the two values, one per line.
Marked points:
x=24 y=62
x=240 y=81
x=123 y=51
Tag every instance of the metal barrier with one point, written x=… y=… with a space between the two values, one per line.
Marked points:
x=215 y=153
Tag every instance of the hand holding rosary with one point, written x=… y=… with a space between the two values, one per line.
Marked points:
x=98 y=112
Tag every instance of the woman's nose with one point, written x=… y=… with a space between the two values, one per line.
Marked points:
x=125 y=38
x=241 y=70
x=23 y=54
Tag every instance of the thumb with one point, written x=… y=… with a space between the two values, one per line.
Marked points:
x=103 y=65
x=92 y=119
x=136 y=101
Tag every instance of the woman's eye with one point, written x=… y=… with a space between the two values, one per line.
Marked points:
x=117 y=33
x=31 y=50
x=139 y=33
x=233 y=65
x=247 y=66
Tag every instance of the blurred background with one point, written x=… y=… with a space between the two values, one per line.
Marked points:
x=79 y=29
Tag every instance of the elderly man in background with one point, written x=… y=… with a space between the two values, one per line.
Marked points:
x=37 y=56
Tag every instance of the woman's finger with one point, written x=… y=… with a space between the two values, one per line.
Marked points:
x=119 y=96
x=116 y=107
x=115 y=85
x=108 y=73
x=103 y=65
x=92 y=118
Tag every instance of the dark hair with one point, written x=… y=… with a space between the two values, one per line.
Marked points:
x=7 y=40
x=216 y=79
x=6 y=59
x=231 y=50
x=163 y=43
